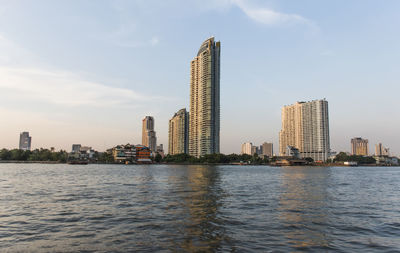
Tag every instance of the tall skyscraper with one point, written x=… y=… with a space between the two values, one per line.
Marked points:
x=204 y=117
x=178 y=133
x=25 y=141
x=149 y=138
x=359 y=146
x=267 y=149
x=305 y=126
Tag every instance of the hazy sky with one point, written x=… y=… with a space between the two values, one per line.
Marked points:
x=80 y=71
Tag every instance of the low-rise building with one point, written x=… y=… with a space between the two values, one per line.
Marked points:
x=81 y=153
x=124 y=153
x=143 y=154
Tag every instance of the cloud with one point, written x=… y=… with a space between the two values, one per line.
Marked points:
x=268 y=16
x=64 y=88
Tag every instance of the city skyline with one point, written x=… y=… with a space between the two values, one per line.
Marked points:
x=127 y=67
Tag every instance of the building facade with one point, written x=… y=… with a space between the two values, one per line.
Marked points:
x=380 y=150
x=149 y=138
x=204 y=116
x=305 y=126
x=267 y=149
x=359 y=146
x=247 y=148
x=25 y=141
x=178 y=133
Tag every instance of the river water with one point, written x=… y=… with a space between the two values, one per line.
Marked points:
x=177 y=208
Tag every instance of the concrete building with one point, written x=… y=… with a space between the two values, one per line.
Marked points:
x=178 y=134
x=160 y=150
x=149 y=138
x=204 y=117
x=293 y=152
x=81 y=153
x=124 y=153
x=359 y=146
x=305 y=126
x=380 y=150
x=267 y=149
x=25 y=141
x=248 y=148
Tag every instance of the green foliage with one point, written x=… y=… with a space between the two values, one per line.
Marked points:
x=35 y=155
x=343 y=157
x=104 y=157
x=158 y=158
x=215 y=159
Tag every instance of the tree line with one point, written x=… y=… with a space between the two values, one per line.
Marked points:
x=214 y=158
x=34 y=155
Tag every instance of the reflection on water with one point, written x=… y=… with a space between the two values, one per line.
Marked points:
x=118 y=208
x=303 y=206
x=198 y=191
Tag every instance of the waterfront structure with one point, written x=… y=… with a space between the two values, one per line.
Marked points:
x=178 y=133
x=359 y=146
x=204 y=116
x=124 y=153
x=149 y=138
x=267 y=149
x=81 y=153
x=131 y=154
x=143 y=154
x=305 y=126
x=380 y=150
x=25 y=141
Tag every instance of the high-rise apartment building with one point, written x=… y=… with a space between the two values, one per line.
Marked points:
x=267 y=149
x=149 y=138
x=204 y=116
x=248 y=148
x=25 y=141
x=305 y=126
x=178 y=133
x=359 y=146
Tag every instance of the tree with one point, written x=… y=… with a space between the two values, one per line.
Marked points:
x=158 y=158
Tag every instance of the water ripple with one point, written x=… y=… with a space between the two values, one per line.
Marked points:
x=102 y=208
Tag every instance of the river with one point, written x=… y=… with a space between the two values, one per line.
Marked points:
x=180 y=208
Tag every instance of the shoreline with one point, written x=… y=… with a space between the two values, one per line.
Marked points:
x=192 y=164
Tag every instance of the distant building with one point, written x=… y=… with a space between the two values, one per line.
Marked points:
x=124 y=153
x=81 y=153
x=143 y=154
x=204 y=116
x=293 y=152
x=380 y=150
x=76 y=147
x=267 y=149
x=160 y=150
x=149 y=138
x=247 y=148
x=25 y=141
x=305 y=126
x=178 y=133
x=359 y=146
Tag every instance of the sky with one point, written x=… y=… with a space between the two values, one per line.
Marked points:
x=86 y=71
